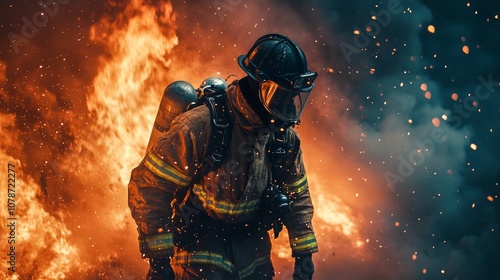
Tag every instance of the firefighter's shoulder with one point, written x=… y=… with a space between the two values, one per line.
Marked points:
x=195 y=120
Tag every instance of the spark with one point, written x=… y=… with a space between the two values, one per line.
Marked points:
x=436 y=122
x=465 y=49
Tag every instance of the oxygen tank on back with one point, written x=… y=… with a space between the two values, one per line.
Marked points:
x=175 y=100
x=213 y=84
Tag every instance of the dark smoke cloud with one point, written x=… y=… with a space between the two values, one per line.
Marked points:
x=445 y=207
x=449 y=222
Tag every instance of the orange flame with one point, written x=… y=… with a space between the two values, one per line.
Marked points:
x=127 y=88
x=99 y=233
x=40 y=239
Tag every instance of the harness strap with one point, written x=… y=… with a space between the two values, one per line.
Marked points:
x=217 y=147
x=221 y=134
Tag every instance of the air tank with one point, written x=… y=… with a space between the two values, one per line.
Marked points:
x=175 y=100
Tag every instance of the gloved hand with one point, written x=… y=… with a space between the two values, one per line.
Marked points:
x=160 y=269
x=304 y=267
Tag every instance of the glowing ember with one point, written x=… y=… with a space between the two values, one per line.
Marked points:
x=436 y=122
x=465 y=49
x=423 y=87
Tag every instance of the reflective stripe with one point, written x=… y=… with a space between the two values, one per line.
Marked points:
x=158 y=242
x=165 y=171
x=304 y=243
x=224 y=207
x=251 y=268
x=187 y=258
x=296 y=187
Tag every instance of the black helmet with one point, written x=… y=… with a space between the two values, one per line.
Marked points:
x=280 y=68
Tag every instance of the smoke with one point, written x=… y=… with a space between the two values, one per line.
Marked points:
x=399 y=137
x=440 y=221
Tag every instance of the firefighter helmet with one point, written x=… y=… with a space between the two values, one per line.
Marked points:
x=280 y=67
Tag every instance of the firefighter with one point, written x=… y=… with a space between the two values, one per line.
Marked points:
x=260 y=184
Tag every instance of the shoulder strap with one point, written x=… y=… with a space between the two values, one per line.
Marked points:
x=217 y=147
x=221 y=134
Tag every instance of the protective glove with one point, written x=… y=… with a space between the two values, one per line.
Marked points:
x=304 y=267
x=160 y=269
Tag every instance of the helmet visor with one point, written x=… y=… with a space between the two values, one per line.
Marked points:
x=285 y=104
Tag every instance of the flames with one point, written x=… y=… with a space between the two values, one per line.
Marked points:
x=79 y=225
x=42 y=248
x=128 y=85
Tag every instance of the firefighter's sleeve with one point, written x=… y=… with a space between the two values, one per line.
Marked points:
x=167 y=167
x=299 y=221
x=149 y=203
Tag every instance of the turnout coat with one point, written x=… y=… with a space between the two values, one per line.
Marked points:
x=231 y=193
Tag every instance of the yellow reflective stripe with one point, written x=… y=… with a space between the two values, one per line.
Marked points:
x=158 y=242
x=224 y=207
x=251 y=268
x=187 y=258
x=296 y=187
x=165 y=171
x=304 y=243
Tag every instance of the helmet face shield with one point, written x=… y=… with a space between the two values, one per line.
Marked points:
x=280 y=67
x=285 y=104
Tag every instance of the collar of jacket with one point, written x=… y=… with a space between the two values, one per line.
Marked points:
x=242 y=112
